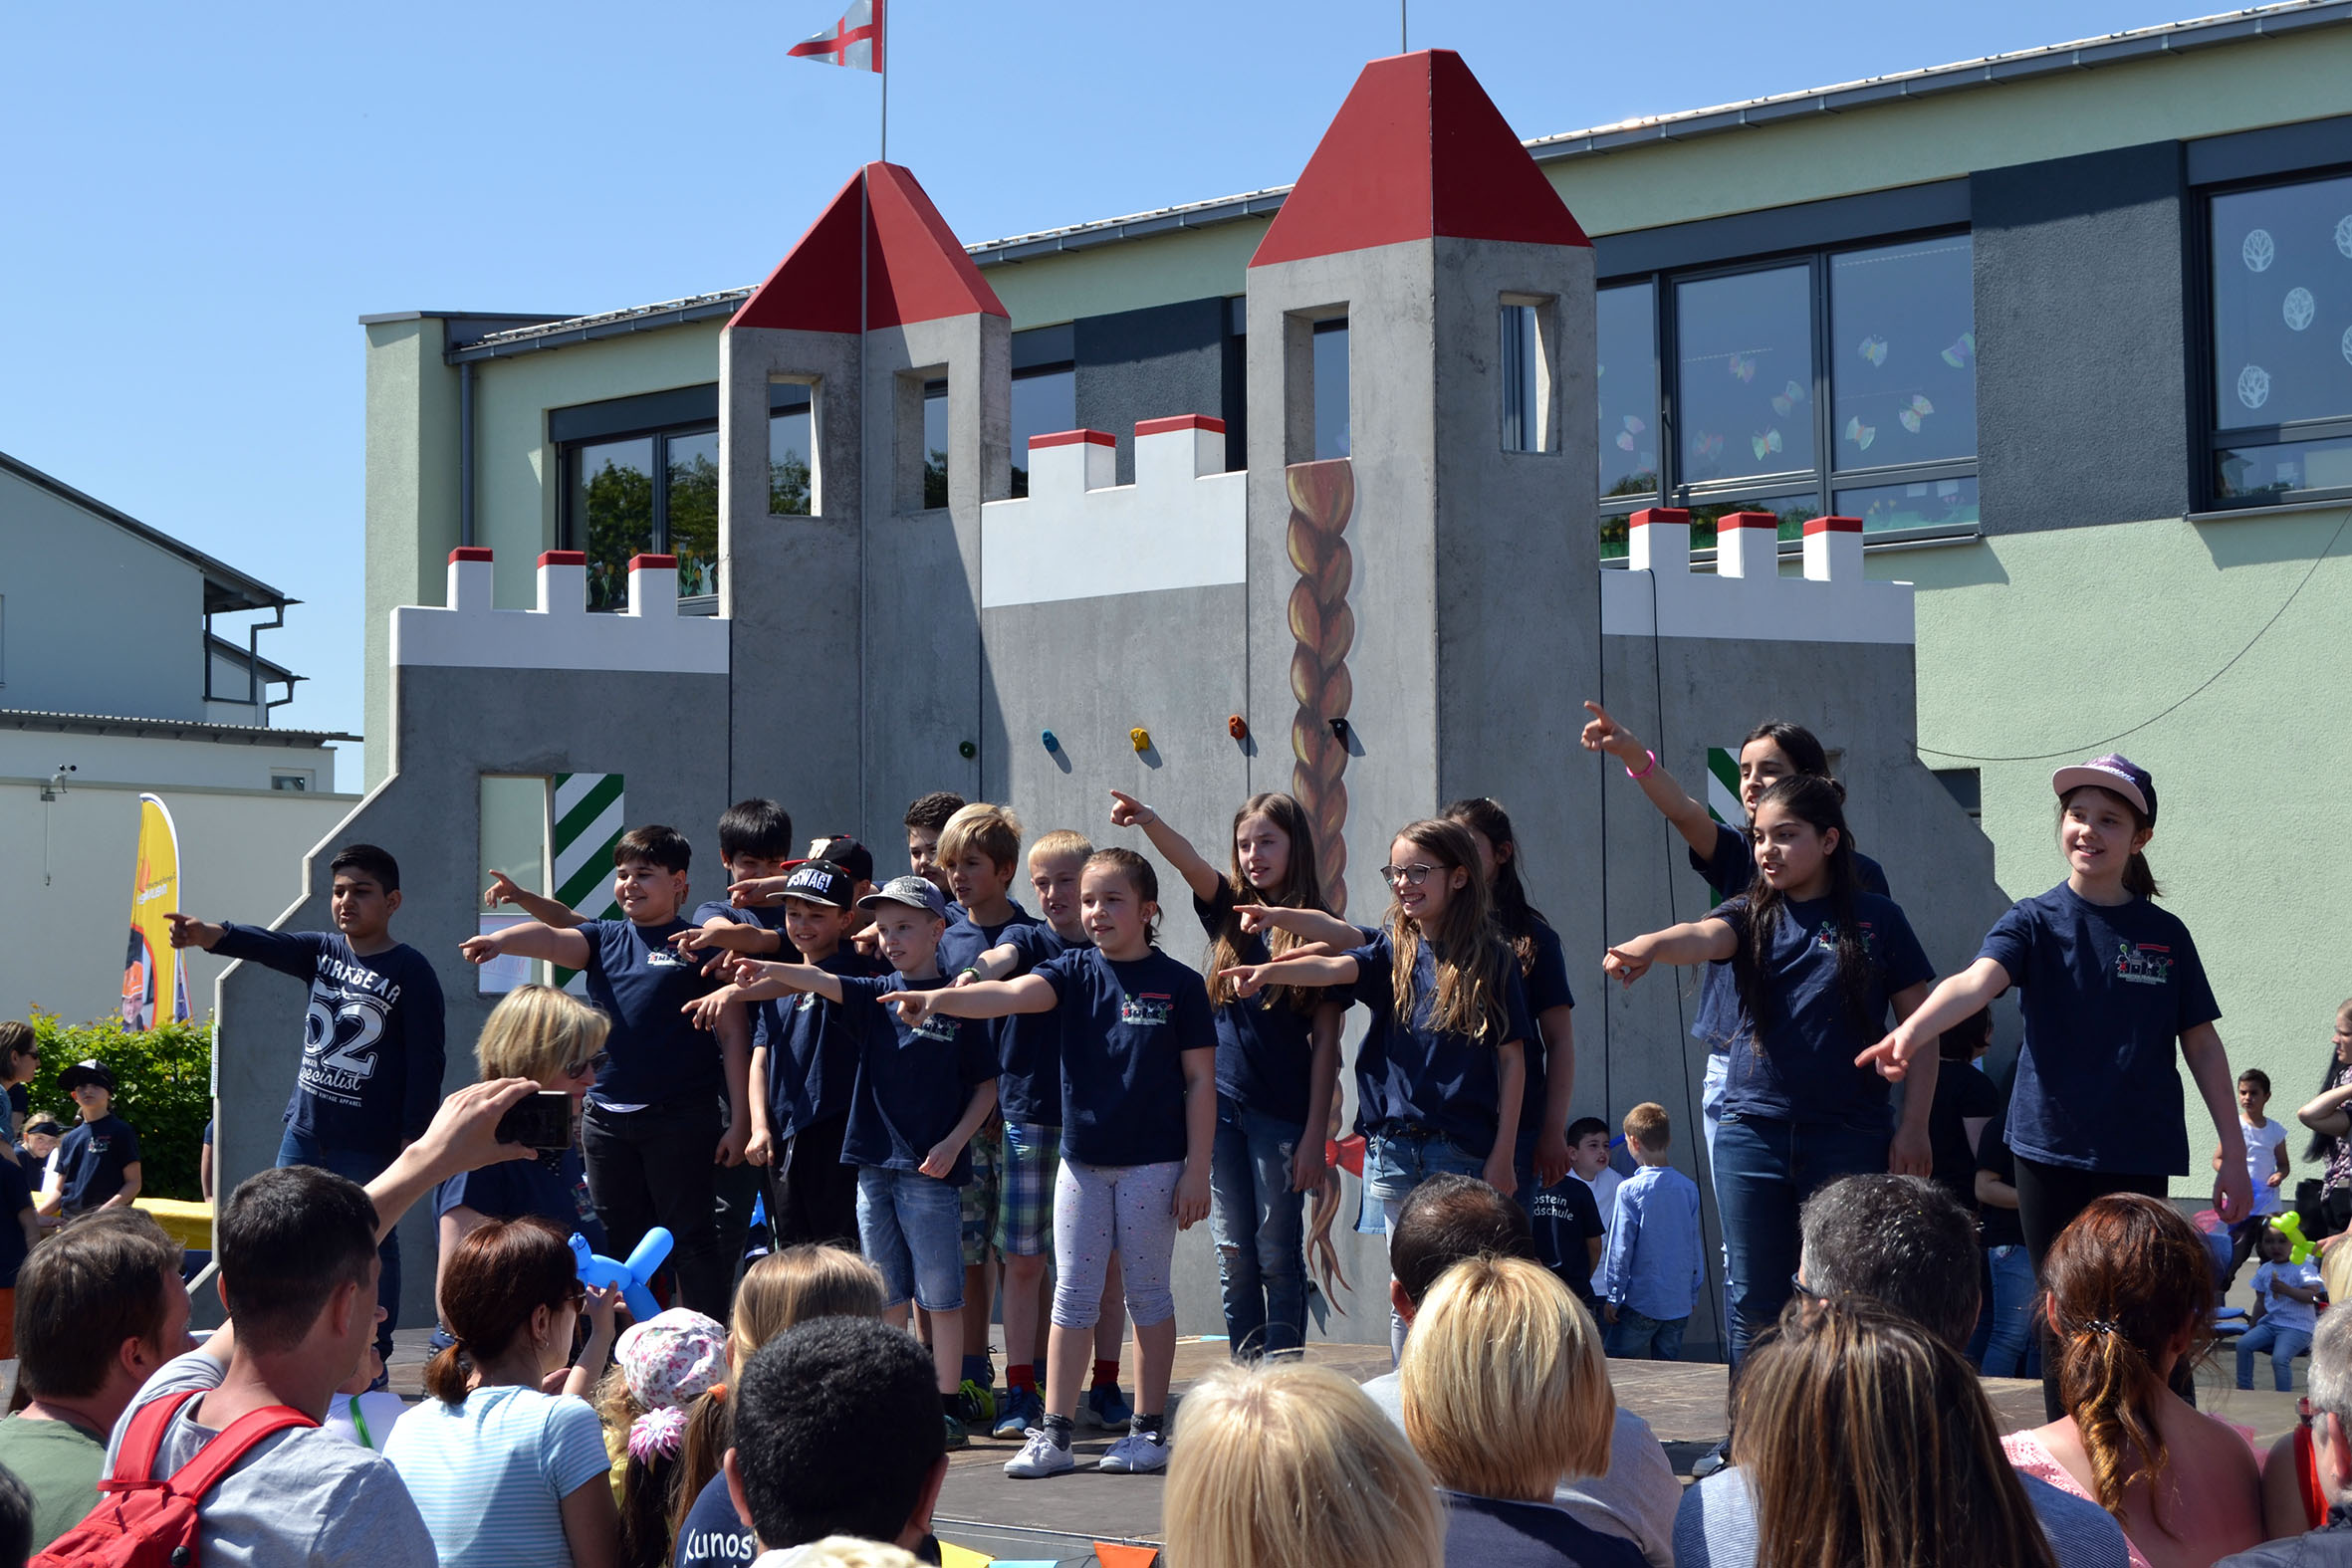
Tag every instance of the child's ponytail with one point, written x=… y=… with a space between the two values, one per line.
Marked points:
x=2138 y=879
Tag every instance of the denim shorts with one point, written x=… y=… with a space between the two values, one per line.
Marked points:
x=907 y=1226
x=1397 y=1160
x=1024 y=1191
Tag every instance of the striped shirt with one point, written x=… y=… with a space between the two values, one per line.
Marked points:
x=490 y=1476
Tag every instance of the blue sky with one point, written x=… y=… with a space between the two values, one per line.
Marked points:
x=201 y=201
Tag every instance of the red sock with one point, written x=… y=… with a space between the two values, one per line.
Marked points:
x=1020 y=1375
x=1106 y=1374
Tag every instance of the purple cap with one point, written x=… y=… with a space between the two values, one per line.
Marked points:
x=2115 y=773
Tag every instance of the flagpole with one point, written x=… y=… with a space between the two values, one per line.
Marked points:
x=882 y=48
x=866 y=509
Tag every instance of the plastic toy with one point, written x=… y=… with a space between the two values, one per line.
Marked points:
x=599 y=1271
x=2290 y=1226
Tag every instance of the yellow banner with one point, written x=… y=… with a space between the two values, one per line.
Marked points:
x=150 y=968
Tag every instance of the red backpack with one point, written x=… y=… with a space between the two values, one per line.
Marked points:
x=145 y=1522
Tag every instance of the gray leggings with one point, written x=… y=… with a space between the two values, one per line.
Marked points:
x=1099 y=1210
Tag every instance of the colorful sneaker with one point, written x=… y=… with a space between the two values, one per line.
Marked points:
x=1106 y=1407
x=957 y=1437
x=1136 y=1454
x=975 y=1405
x=1039 y=1457
x=1021 y=1410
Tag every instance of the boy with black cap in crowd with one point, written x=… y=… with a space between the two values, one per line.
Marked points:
x=98 y=1164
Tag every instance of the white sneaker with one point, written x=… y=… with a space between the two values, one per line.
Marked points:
x=1136 y=1454
x=1040 y=1457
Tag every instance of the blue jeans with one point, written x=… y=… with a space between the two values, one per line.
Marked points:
x=1765 y=1169
x=1260 y=1226
x=2284 y=1344
x=1648 y=1338
x=301 y=1148
x=1397 y=1160
x=2008 y=1314
x=911 y=1227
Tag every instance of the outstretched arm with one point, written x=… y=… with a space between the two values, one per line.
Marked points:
x=463 y=1136
x=755 y=981
x=994 y=964
x=988 y=998
x=1674 y=802
x=1956 y=997
x=504 y=889
x=1708 y=941
x=1174 y=847
x=1322 y=969
x=1308 y=924
x=533 y=939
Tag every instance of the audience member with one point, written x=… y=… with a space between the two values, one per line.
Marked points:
x=99 y=1310
x=297 y=1248
x=838 y=1433
x=98 y=1164
x=1863 y=1438
x=1506 y=1395
x=1654 y=1272
x=1280 y=1464
x=662 y=1366
x=2327 y=1415
x=16 y=1521
x=20 y=1064
x=797 y=1285
x=2128 y=1287
x=1448 y=1219
x=360 y=1411
x=2286 y=1311
x=842 y=1551
x=504 y=1475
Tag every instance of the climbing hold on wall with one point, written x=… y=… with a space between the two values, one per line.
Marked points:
x=1142 y=739
x=966 y=750
x=1052 y=741
x=1339 y=729
x=1237 y=727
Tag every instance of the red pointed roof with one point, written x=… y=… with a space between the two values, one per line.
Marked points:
x=1417 y=151
x=917 y=269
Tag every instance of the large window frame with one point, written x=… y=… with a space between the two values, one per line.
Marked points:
x=1795 y=494
x=2213 y=408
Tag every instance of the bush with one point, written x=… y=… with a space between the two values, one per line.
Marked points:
x=162 y=1088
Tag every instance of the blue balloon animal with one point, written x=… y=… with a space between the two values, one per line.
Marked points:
x=599 y=1271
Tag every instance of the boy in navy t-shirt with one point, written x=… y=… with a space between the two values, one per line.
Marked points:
x=98 y=1164
x=667 y=1091
x=373 y=1046
x=921 y=1091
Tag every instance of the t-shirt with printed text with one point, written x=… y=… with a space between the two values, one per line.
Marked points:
x=912 y=1080
x=1126 y=1025
x=1409 y=1070
x=655 y=1053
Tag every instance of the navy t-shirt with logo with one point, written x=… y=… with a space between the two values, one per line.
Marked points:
x=1126 y=1027
x=2108 y=991
x=1799 y=1065
x=1409 y=1071
x=1567 y=1218
x=812 y=1055
x=91 y=1160
x=553 y=1185
x=961 y=943
x=713 y=1534
x=1029 y=1045
x=1731 y=870
x=1265 y=1044
x=655 y=1053
x=912 y=1081
x=1546 y=984
x=768 y=917
x=372 y=1041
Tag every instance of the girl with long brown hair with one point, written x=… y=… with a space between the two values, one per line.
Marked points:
x=1277 y=1064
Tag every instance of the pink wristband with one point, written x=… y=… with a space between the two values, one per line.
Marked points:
x=1648 y=768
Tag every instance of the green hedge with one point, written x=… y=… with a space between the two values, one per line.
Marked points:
x=163 y=1089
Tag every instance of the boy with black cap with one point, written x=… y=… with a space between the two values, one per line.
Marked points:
x=921 y=1090
x=98 y=1164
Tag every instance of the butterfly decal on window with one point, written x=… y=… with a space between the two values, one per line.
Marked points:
x=1633 y=427
x=1860 y=434
x=1963 y=352
x=1875 y=350
x=1708 y=446
x=1742 y=365
x=1913 y=413
x=1789 y=398
x=1767 y=443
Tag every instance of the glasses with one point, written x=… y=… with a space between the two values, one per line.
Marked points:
x=589 y=1068
x=1406 y=876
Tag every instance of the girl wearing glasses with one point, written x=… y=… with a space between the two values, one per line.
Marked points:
x=535 y=1031
x=1443 y=1071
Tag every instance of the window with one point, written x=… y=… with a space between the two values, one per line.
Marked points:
x=1527 y=415
x=1966 y=786
x=514 y=844
x=935 y=445
x=1842 y=381
x=1045 y=402
x=2282 y=342
x=1330 y=389
x=791 y=448
x=296 y=783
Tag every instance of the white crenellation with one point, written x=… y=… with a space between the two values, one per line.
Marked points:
x=560 y=634
x=1183 y=524
x=1746 y=598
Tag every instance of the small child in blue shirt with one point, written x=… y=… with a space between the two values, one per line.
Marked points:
x=1650 y=1275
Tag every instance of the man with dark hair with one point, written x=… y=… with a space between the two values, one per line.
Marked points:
x=99 y=1307
x=298 y=1267
x=1448 y=1219
x=373 y=1046
x=838 y=1433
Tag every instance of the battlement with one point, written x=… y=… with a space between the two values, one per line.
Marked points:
x=560 y=634
x=1183 y=524
x=1746 y=598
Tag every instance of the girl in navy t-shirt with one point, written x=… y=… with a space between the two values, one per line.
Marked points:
x=1277 y=1064
x=1815 y=963
x=1139 y=1115
x=2112 y=986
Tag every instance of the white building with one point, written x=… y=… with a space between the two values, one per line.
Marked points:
x=130 y=662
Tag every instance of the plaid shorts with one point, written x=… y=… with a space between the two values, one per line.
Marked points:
x=980 y=1193
x=1025 y=1201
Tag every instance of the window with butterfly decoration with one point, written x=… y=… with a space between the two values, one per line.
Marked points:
x=2281 y=267
x=1837 y=381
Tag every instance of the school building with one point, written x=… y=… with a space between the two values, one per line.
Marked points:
x=2068 y=330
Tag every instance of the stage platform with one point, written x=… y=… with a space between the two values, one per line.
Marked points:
x=982 y=1510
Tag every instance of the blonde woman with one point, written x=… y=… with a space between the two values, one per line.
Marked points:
x=1506 y=1395
x=535 y=1031
x=1284 y=1465
x=784 y=1289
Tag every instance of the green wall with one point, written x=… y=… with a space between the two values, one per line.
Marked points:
x=2032 y=643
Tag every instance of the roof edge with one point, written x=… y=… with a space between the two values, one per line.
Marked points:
x=212 y=566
